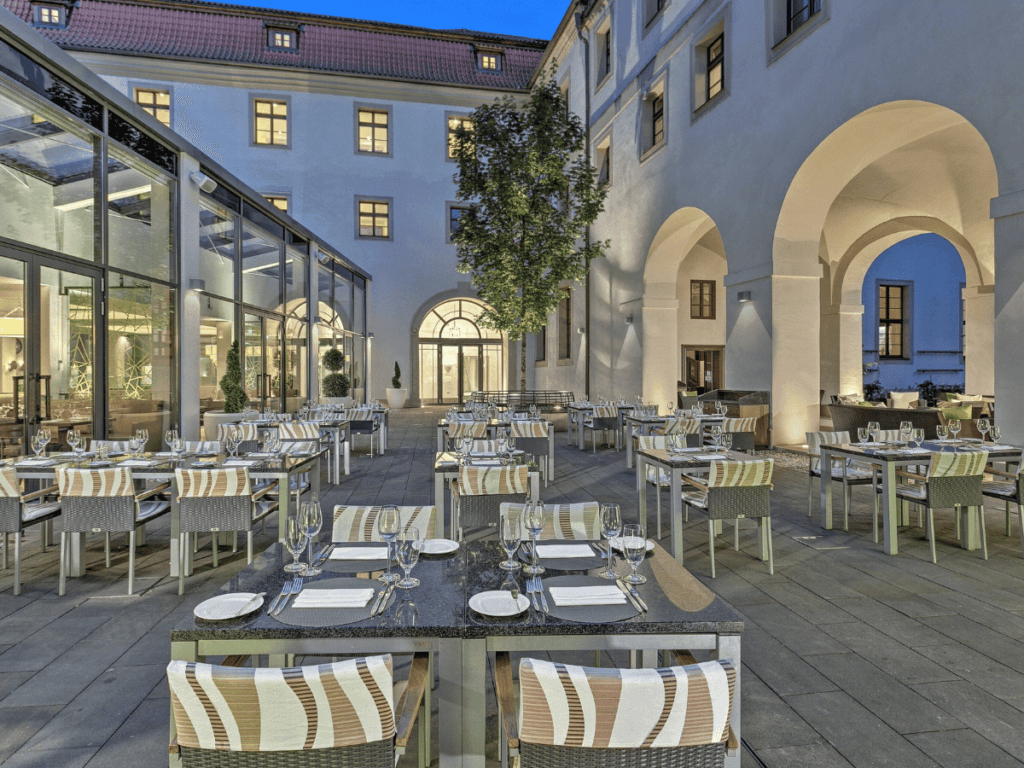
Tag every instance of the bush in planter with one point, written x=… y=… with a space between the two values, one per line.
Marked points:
x=396 y=380
x=336 y=384
x=875 y=392
x=235 y=398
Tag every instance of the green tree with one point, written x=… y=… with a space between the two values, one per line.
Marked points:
x=531 y=194
x=396 y=380
x=231 y=383
x=336 y=384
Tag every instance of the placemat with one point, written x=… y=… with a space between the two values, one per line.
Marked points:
x=332 y=617
x=586 y=614
x=565 y=563
x=358 y=566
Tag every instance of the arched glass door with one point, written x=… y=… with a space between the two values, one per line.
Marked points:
x=457 y=356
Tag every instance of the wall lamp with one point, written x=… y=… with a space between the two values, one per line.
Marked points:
x=196 y=284
x=743 y=296
x=581 y=330
x=629 y=319
x=203 y=181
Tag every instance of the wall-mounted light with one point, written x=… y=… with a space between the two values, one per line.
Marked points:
x=629 y=319
x=197 y=284
x=203 y=181
x=581 y=330
x=743 y=296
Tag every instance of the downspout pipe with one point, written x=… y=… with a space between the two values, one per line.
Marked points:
x=581 y=33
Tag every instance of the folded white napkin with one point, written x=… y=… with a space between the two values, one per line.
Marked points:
x=137 y=463
x=564 y=550
x=689 y=450
x=714 y=457
x=486 y=463
x=264 y=455
x=916 y=451
x=870 y=445
x=997 y=447
x=610 y=595
x=239 y=463
x=360 y=553
x=36 y=463
x=333 y=598
x=165 y=454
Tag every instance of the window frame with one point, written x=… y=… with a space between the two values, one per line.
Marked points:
x=712 y=300
x=778 y=33
x=270 y=197
x=254 y=100
x=375 y=108
x=888 y=322
x=292 y=35
x=564 y=319
x=653 y=10
x=814 y=5
x=135 y=87
x=449 y=133
x=603 y=158
x=658 y=89
x=449 y=207
x=712 y=62
x=481 y=62
x=376 y=200
x=605 y=60
x=37 y=15
x=540 y=346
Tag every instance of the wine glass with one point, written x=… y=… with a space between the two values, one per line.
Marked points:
x=954 y=427
x=389 y=523
x=169 y=437
x=135 y=446
x=312 y=518
x=510 y=536
x=918 y=436
x=143 y=435
x=611 y=527
x=718 y=407
x=74 y=438
x=534 y=521
x=234 y=440
x=906 y=431
x=295 y=541
x=941 y=433
x=407 y=551
x=37 y=443
x=716 y=433
x=983 y=425
x=177 y=448
x=873 y=430
x=727 y=440
x=995 y=432
x=634 y=546
x=862 y=434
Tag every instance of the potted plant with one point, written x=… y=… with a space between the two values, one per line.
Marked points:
x=335 y=384
x=396 y=393
x=235 y=398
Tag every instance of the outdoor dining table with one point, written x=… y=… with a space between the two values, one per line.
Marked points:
x=340 y=438
x=280 y=469
x=887 y=458
x=682 y=614
x=578 y=413
x=638 y=425
x=695 y=461
x=446 y=469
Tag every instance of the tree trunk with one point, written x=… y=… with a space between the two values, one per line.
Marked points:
x=522 y=364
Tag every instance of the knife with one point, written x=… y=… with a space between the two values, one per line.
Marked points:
x=249 y=605
x=380 y=596
x=324 y=554
x=385 y=596
x=285 y=590
x=629 y=596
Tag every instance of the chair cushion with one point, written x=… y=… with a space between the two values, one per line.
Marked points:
x=695 y=499
x=152 y=507
x=914 y=492
x=39 y=509
x=1009 y=490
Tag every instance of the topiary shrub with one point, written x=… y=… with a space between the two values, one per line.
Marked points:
x=875 y=392
x=235 y=398
x=336 y=384
x=396 y=380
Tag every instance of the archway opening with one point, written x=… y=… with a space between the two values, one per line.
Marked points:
x=457 y=355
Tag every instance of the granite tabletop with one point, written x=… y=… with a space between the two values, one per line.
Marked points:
x=691 y=458
x=894 y=452
x=165 y=465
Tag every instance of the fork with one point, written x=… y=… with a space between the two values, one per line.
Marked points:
x=539 y=586
x=296 y=588
x=531 y=590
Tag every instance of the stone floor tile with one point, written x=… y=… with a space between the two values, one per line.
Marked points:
x=963 y=749
x=775 y=724
x=804 y=756
x=902 y=663
x=997 y=721
x=781 y=669
x=891 y=622
x=75 y=757
x=19 y=725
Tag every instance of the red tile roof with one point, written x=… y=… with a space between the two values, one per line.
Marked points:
x=236 y=34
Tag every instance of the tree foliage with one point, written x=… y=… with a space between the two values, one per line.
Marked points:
x=396 y=380
x=235 y=398
x=336 y=383
x=531 y=193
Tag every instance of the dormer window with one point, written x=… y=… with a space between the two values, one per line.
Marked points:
x=282 y=35
x=51 y=16
x=489 y=62
x=282 y=40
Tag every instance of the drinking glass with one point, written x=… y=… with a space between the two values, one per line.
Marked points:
x=143 y=435
x=234 y=440
x=178 y=447
x=954 y=428
x=727 y=440
x=135 y=446
x=634 y=546
x=312 y=518
x=718 y=407
x=983 y=425
x=510 y=535
x=918 y=437
x=941 y=433
x=407 y=551
x=862 y=434
x=534 y=521
x=295 y=542
x=716 y=433
x=38 y=443
x=389 y=523
x=873 y=430
x=995 y=432
x=46 y=437
x=611 y=527
x=74 y=438
x=169 y=437
x=906 y=431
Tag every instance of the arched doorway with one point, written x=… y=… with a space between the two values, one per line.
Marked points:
x=457 y=356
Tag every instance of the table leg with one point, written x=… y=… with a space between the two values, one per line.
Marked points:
x=641 y=489
x=348 y=453
x=284 y=498
x=439 y=505
x=890 y=507
x=629 y=447
x=729 y=648
x=676 y=512
x=579 y=431
x=474 y=703
x=337 y=454
x=534 y=486
x=551 y=453
x=440 y=439
x=826 y=490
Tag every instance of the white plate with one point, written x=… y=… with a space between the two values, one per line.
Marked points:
x=221 y=607
x=439 y=546
x=499 y=603
x=618 y=545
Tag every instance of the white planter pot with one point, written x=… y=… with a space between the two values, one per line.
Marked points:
x=396 y=397
x=213 y=419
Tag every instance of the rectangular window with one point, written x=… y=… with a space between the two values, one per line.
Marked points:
x=702 y=299
x=604 y=164
x=50 y=15
x=271 y=122
x=490 y=62
x=716 y=66
x=374 y=219
x=373 y=132
x=455 y=214
x=565 y=325
x=155 y=101
x=278 y=201
x=454 y=123
x=541 y=345
x=657 y=119
x=891 y=304
x=282 y=39
x=799 y=12
x=604 y=52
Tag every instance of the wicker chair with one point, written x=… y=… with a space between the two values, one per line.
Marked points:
x=459 y=429
x=202 y=446
x=363 y=421
x=532 y=438
x=484 y=446
x=604 y=418
x=953 y=480
x=579 y=521
x=359 y=524
x=742 y=431
x=1009 y=489
x=19 y=511
x=657 y=476
x=689 y=427
x=104 y=501
x=272 y=717
x=735 y=490
x=568 y=715
x=308 y=434
x=847 y=472
x=478 y=493
x=114 y=446
x=248 y=432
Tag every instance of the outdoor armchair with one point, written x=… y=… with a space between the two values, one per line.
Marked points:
x=18 y=511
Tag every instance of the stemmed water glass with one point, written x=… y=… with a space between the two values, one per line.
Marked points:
x=143 y=435
x=611 y=527
x=389 y=523
x=169 y=437
x=862 y=434
x=38 y=443
x=295 y=541
x=716 y=433
x=918 y=437
x=983 y=425
x=312 y=518
x=407 y=552
x=534 y=522
x=995 y=432
x=135 y=446
x=726 y=440
x=719 y=408
x=74 y=438
x=233 y=440
x=941 y=433
x=954 y=428
x=873 y=430
x=634 y=546
x=177 y=448
x=510 y=536
x=906 y=431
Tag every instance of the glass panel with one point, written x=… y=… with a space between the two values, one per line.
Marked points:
x=359 y=310
x=295 y=284
x=66 y=350
x=253 y=365
x=139 y=217
x=343 y=301
x=141 y=371
x=216 y=333
x=470 y=371
x=217 y=250
x=48 y=181
x=324 y=341
x=272 y=384
x=460 y=328
x=494 y=373
x=296 y=365
x=261 y=269
x=325 y=288
x=449 y=374
x=12 y=357
x=428 y=373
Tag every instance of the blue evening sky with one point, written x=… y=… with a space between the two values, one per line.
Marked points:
x=526 y=18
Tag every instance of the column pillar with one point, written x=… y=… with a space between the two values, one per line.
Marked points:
x=979 y=339
x=1008 y=311
x=188 y=325
x=659 y=333
x=842 y=349
x=796 y=357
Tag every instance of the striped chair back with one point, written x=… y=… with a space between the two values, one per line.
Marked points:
x=202 y=446
x=580 y=521
x=299 y=447
x=738 y=426
x=606 y=412
x=490 y=481
x=564 y=705
x=651 y=443
x=354 y=524
x=528 y=429
x=817 y=439
x=213 y=483
x=740 y=474
x=359 y=414
x=91 y=483
x=114 y=446
x=97 y=500
x=475 y=429
x=681 y=427
x=10 y=486
x=247 y=431
x=958 y=464
x=485 y=446
x=298 y=430
x=267 y=709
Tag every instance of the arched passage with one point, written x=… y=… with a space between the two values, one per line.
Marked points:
x=894 y=171
x=680 y=313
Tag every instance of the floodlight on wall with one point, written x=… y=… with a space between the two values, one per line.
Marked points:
x=196 y=284
x=629 y=319
x=581 y=330
x=203 y=181
x=743 y=296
